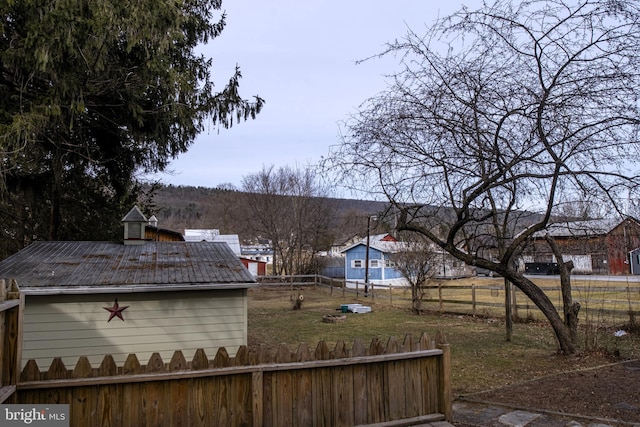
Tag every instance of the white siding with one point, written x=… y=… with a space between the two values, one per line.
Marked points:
x=581 y=263
x=70 y=326
x=253 y=268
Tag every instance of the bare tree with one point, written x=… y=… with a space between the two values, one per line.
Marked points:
x=289 y=207
x=417 y=264
x=498 y=114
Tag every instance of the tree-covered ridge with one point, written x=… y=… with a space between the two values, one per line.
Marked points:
x=229 y=211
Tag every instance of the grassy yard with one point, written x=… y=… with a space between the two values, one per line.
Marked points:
x=481 y=358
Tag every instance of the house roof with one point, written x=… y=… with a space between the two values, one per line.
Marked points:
x=213 y=235
x=346 y=240
x=93 y=267
x=587 y=228
x=386 y=237
x=381 y=242
x=232 y=240
x=200 y=234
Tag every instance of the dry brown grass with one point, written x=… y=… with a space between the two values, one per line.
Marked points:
x=482 y=359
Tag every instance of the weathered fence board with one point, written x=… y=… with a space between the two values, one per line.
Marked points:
x=10 y=339
x=339 y=387
x=363 y=384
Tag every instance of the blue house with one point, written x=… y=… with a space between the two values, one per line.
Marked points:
x=381 y=268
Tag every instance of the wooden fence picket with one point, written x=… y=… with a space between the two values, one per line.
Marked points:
x=83 y=368
x=242 y=356
x=57 y=370
x=322 y=351
x=178 y=362
x=108 y=367
x=358 y=349
x=200 y=360
x=222 y=359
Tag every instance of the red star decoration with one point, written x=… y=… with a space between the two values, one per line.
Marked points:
x=116 y=311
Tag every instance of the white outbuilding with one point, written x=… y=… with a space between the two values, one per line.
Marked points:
x=84 y=298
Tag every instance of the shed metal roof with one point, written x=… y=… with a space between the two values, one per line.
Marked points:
x=90 y=267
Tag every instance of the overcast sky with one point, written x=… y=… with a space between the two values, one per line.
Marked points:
x=300 y=57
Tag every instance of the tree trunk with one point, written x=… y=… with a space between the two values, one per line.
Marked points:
x=55 y=218
x=275 y=258
x=542 y=301
x=508 y=314
x=570 y=308
x=416 y=299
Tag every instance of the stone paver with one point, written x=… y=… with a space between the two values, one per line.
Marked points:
x=518 y=418
x=483 y=414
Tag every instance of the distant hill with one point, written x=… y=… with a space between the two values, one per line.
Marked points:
x=180 y=207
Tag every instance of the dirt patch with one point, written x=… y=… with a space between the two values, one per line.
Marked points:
x=611 y=391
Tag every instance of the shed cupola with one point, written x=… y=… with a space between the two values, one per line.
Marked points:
x=134 y=223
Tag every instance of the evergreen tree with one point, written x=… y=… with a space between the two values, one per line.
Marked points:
x=93 y=92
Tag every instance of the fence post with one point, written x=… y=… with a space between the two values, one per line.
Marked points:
x=446 y=394
x=514 y=303
x=11 y=328
x=3 y=296
x=440 y=303
x=3 y=350
x=473 y=298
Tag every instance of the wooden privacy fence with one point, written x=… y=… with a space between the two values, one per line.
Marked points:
x=341 y=387
x=9 y=343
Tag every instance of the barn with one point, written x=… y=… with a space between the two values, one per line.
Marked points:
x=600 y=246
x=137 y=296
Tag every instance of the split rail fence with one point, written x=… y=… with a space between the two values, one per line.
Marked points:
x=602 y=302
x=612 y=304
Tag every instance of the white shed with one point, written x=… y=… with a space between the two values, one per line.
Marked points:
x=97 y=298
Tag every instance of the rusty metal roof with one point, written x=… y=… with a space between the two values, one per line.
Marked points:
x=587 y=228
x=78 y=267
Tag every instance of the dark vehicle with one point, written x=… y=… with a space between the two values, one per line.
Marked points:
x=542 y=268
